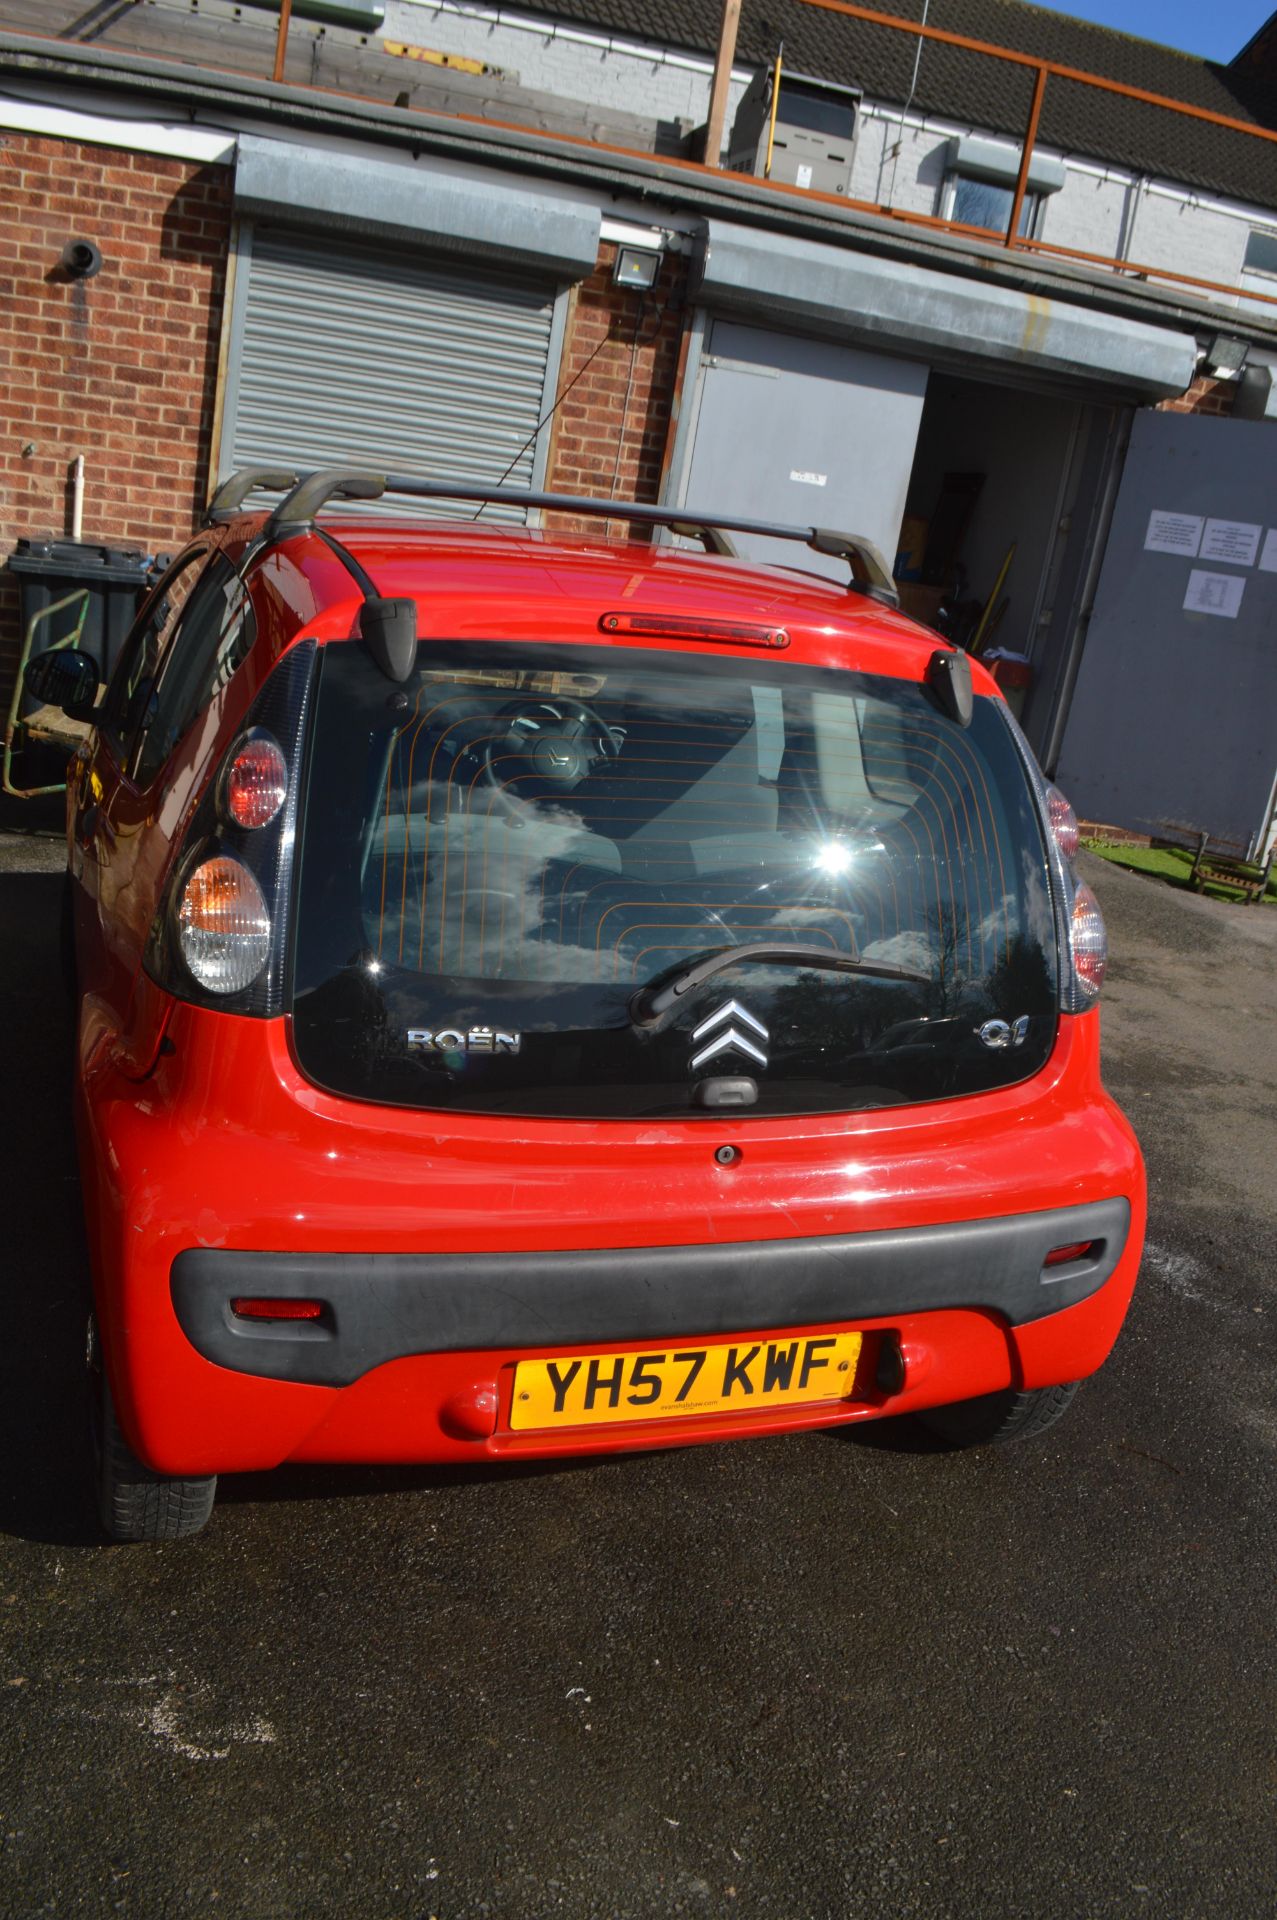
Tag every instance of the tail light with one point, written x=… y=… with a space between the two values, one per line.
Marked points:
x=223 y=928
x=220 y=936
x=1089 y=942
x=1063 y=823
x=1079 y=923
x=1088 y=945
x=255 y=783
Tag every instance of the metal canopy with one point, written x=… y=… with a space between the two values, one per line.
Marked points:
x=437 y=208
x=938 y=317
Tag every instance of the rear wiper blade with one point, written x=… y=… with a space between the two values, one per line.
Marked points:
x=650 y=1004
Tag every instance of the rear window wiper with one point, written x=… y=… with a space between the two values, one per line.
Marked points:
x=650 y=1004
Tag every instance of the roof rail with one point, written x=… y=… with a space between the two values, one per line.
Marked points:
x=869 y=574
x=233 y=491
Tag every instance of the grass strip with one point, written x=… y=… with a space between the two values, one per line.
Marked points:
x=1172 y=864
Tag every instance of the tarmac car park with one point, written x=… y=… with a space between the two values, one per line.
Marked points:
x=545 y=994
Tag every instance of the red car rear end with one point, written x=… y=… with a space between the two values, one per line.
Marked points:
x=558 y=996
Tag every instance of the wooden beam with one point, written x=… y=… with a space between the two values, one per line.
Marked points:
x=722 y=81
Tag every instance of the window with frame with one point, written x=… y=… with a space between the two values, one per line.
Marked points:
x=525 y=835
x=131 y=688
x=192 y=634
x=1261 y=252
x=983 y=203
x=213 y=636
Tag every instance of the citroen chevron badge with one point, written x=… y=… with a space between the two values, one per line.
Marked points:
x=731 y=1026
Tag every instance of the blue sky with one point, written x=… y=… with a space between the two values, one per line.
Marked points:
x=1216 y=31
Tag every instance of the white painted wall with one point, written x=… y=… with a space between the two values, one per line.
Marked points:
x=898 y=165
x=609 y=71
x=1190 y=235
x=899 y=160
x=1088 y=212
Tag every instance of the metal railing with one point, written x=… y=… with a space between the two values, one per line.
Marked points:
x=1044 y=70
x=19 y=727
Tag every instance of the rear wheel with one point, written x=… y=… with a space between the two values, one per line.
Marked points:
x=996 y=1418
x=134 y=1502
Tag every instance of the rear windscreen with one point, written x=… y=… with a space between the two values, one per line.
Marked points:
x=504 y=860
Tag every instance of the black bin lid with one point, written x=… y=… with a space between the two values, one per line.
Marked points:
x=81 y=560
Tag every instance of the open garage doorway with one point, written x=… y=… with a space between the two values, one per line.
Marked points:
x=1004 y=507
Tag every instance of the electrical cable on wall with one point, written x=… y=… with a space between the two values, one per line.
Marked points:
x=629 y=391
x=900 y=129
x=581 y=371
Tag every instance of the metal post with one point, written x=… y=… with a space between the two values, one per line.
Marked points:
x=722 y=81
x=281 y=43
x=1026 y=158
x=771 y=124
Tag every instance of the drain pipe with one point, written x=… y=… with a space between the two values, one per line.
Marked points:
x=77 y=497
x=1130 y=213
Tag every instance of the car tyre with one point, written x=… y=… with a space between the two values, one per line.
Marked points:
x=996 y=1418
x=134 y=1502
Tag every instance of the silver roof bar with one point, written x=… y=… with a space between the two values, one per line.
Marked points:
x=296 y=513
x=234 y=490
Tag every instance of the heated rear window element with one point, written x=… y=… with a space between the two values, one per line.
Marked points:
x=503 y=860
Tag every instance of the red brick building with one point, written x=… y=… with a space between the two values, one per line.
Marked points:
x=306 y=279
x=121 y=367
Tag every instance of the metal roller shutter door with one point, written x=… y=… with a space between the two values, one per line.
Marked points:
x=374 y=356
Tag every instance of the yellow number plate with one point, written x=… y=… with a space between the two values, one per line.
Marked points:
x=661 y=1384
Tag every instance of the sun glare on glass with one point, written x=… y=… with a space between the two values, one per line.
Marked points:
x=834 y=858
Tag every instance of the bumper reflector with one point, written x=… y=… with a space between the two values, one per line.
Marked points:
x=250 y=1309
x=1077 y=1250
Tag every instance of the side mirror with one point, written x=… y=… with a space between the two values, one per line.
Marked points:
x=64 y=678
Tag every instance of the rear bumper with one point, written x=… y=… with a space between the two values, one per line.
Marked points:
x=446 y=1249
x=376 y=1308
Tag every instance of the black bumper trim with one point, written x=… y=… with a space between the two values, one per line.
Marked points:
x=385 y=1306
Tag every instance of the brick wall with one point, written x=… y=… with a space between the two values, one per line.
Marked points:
x=1204 y=396
x=120 y=367
x=617 y=346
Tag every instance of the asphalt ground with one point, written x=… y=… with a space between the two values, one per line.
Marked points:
x=800 y=1677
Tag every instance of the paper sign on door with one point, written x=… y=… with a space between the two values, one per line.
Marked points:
x=1218 y=593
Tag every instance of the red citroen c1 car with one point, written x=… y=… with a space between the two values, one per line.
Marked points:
x=549 y=995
